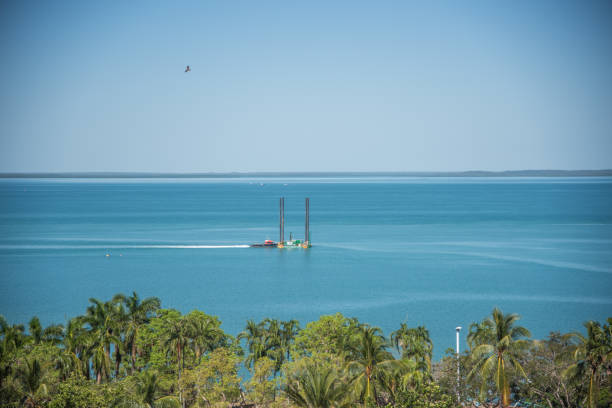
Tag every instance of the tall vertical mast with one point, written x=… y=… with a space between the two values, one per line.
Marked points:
x=307 y=226
x=282 y=220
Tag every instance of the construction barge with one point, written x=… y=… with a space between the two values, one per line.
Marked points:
x=292 y=243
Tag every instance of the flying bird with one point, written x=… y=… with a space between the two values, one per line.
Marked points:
x=187 y=69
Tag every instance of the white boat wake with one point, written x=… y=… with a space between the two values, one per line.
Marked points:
x=192 y=246
x=107 y=247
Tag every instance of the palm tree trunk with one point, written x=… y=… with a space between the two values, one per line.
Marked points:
x=117 y=361
x=591 y=402
x=133 y=357
x=108 y=356
x=183 y=358
x=133 y=353
x=178 y=361
x=368 y=381
x=505 y=388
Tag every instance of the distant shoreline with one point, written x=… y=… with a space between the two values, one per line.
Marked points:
x=476 y=173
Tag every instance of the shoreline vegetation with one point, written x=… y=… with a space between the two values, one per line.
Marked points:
x=130 y=352
x=222 y=175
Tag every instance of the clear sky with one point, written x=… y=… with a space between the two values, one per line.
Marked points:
x=305 y=86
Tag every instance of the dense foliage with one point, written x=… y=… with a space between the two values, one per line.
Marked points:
x=129 y=352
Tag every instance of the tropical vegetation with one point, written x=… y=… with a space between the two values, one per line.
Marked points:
x=131 y=352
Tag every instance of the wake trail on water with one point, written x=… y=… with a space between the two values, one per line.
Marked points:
x=161 y=246
x=191 y=246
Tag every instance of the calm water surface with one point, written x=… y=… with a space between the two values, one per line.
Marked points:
x=433 y=251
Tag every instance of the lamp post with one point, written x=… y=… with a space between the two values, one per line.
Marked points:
x=458 y=329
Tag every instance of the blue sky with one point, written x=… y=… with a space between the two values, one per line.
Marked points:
x=305 y=86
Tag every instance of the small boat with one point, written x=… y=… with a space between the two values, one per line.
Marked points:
x=267 y=243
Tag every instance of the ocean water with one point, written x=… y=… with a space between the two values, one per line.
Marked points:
x=441 y=252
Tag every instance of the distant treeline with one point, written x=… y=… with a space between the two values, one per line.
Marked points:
x=475 y=173
x=129 y=352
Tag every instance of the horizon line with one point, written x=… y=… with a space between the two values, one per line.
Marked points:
x=330 y=174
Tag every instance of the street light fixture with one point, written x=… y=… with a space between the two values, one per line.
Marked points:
x=458 y=329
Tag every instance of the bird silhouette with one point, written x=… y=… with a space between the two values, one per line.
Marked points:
x=187 y=69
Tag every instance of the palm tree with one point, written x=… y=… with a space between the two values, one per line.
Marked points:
x=35 y=330
x=290 y=329
x=257 y=351
x=254 y=336
x=368 y=358
x=31 y=375
x=498 y=346
x=138 y=314
x=402 y=375
x=204 y=333
x=51 y=334
x=177 y=340
x=101 y=318
x=12 y=339
x=591 y=354
x=316 y=387
x=276 y=343
x=147 y=387
x=269 y=338
x=13 y=336
x=414 y=344
x=480 y=333
x=76 y=344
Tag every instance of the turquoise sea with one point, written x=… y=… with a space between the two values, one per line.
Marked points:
x=441 y=252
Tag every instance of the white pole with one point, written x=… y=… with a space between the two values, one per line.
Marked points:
x=458 y=329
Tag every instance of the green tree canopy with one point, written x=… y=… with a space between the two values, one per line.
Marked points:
x=499 y=347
